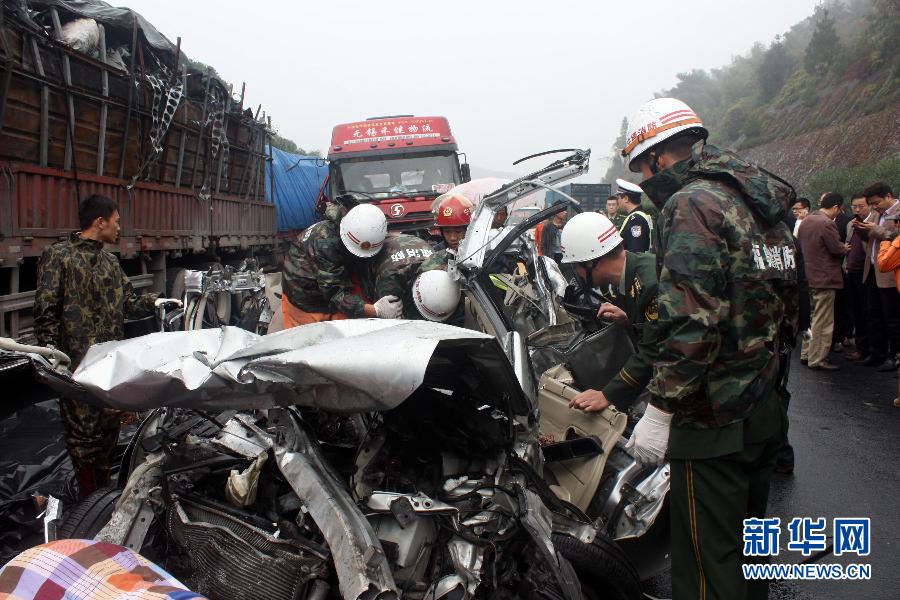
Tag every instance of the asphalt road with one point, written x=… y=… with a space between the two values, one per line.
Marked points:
x=846 y=438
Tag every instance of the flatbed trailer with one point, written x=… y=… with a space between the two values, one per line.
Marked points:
x=178 y=151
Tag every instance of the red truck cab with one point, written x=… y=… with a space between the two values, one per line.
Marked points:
x=400 y=164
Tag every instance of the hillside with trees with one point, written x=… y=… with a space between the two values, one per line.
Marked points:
x=820 y=105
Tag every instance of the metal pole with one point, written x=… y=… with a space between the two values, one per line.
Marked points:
x=271 y=162
x=240 y=190
x=45 y=103
x=70 y=101
x=130 y=98
x=225 y=132
x=183 y=130
x=104 y=108
x=202 y=129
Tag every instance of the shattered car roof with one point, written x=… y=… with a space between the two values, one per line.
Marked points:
x=343 y=366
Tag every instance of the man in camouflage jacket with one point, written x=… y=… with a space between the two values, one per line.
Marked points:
x=727 y=302
x=83 y=297
x=393 y=271
x=317 y=273
x=321 y=277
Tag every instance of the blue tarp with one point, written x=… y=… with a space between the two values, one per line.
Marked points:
x=297 y=183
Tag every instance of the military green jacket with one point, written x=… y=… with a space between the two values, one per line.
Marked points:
x=437 y=261
x=317 y=273
x=636 y=295
x=83 y=297
x=727 y=288
x=395 y=268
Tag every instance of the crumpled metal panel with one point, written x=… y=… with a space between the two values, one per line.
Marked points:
x=360 y=563
x=348 y=366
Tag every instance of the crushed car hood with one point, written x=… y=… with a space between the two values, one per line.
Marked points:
x=343 y=366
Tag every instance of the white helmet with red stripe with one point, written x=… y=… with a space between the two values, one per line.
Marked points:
x=363 y=230
x=436 y=295
x=588 y=236
x=657 y=121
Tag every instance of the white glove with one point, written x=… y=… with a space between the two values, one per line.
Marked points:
x=650 y=437
x=160 y=301
x=389 y=307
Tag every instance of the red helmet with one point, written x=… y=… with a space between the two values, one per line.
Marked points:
x=453 y=210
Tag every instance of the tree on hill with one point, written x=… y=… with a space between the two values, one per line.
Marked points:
x=824 y=46
x=777 y=65
x=617 y=167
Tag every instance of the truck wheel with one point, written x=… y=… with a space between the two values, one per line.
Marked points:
x=218 y=304
x=602 y=568
x=175 y=283
x=89 y=516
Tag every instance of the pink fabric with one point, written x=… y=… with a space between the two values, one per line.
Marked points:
x=87 y=570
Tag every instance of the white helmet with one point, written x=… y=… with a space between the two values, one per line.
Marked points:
x=363 y=230
x=657 y=121
x=436 y=295
x=587 y=236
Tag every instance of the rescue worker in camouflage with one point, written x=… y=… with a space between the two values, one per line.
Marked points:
x=613 y=213
x=83 y=298
x=320 y=281
x=591 y=243
x=727 y=310
x=393 y=271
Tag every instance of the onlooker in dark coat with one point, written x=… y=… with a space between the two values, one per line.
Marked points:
x=842 y=320
x=882 y=301
x=823 y=254
x=854 y=267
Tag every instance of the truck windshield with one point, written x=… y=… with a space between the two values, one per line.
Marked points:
x=383 y=177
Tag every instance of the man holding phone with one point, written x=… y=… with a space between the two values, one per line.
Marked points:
x=882 y=302
x=854 y=266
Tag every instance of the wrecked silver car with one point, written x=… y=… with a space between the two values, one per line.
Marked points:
x=371 y=458
x=357 y=458
x=560 y=347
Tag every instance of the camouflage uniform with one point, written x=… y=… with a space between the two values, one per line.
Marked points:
x=83 y=298
x=636 y=295
x=394 y=269
x=437 y=261
x=618 y=220
x=727 y=299
x=317 y=274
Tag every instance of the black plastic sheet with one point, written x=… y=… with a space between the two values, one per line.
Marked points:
x=122 y=18
x=33 y=462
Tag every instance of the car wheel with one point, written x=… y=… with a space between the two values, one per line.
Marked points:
x=89 y=516
x=603 y=569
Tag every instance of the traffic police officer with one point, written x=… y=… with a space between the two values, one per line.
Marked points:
x=591 y=243
x=727 y=303
x=637 y=227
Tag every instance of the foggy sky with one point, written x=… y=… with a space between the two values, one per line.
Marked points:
x=513 y=78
